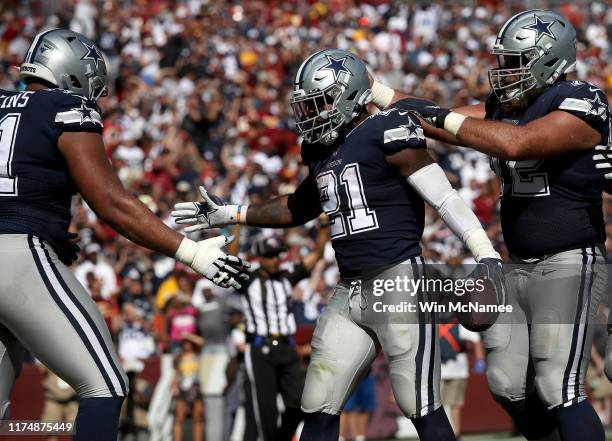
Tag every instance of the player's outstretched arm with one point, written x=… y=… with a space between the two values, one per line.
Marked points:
x=281 y=212
x=96 y=181
x=555 y=134
x=384 y=96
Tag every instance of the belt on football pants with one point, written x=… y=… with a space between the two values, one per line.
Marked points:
x=270 y=340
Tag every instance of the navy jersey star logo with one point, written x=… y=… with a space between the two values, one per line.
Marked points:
x=598 y=107
x=204 y=210
x=92 y=54
x=413 y=130
x=87 y=114
x=336 y=65
x=541 y=27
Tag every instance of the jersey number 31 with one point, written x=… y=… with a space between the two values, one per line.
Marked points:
x=361 y=217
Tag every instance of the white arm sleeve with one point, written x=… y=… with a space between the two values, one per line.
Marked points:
x=433 y=186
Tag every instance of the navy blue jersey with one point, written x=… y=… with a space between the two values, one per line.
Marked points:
x=35 y=184
x=554 y=204
x=376 y=218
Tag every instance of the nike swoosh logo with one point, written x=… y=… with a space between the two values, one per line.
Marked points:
x=593 y=89
x=545 y=273
x=400 y=113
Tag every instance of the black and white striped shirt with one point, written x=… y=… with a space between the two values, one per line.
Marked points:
x=267 y=302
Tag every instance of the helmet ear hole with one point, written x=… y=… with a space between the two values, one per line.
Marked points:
x=352 y=95
x=551 y=63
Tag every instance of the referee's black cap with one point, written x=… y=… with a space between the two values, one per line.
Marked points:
x=268 y=247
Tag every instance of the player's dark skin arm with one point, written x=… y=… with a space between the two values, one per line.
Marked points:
x=554 y=134
x=100 y=187
x=288 y=210
x=409 y=161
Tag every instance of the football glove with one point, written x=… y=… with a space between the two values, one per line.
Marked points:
x=490 y=269
x=207 y=258
x=603 y=159
x=427 y=110
x=211 y=213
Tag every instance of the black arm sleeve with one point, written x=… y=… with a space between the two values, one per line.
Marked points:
x=304 y=202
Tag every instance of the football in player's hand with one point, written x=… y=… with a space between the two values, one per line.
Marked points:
x=479 y=307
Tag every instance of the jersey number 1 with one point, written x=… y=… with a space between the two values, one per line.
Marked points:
x=8 y=133
x=361 y=218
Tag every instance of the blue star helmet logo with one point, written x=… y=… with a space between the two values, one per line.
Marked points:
x=92 y=54
x=541 y=27
x=336 y=65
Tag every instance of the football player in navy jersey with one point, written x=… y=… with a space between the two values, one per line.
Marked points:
x=50 y=149
x=541 y=130
x=371 y=175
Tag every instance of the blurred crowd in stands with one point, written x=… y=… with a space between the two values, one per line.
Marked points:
x=199 y=96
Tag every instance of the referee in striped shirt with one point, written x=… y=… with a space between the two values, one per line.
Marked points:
x=271 y=361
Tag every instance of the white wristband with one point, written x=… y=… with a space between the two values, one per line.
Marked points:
x=453 y=121
x=241 y=214
x=480 y=246
x=186 y=251
x=381 y=95
x=235 y=214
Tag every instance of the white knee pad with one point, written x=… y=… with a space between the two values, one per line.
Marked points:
x=407 y=405
x=550 y=389
x=318 y=395
x=404 y=391
x=502 y=387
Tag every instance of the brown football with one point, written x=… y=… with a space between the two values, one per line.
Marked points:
x=476 y=310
